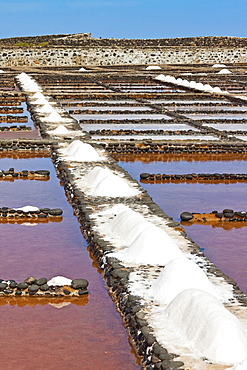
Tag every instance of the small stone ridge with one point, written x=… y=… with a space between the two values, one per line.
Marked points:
x=227 y=215
x=13 y=119
x=11 y=174
x=37 y=215
x=194 y=177
x=39 y=288
x=15 y=128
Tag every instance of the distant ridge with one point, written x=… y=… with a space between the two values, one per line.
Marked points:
x=86 y=40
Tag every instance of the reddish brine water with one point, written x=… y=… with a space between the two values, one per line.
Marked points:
x=86 y=333
x=225 y=246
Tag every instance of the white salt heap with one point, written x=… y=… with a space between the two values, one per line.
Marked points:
x=27 y=208
x=80 y=152
x=54 y=117
x=153 y=68
x=224 y=71
x=113 y=186
x=152 y=246
x=127 y=225
x=83 y=69
x=200 y=322
x=240 y=366
x=217 y=65
x=47 y=108
x=60 y=130
x=59 y=281
x=178 y=275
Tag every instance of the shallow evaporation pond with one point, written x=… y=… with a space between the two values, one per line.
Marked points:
x=217 y=116
x=226 y=247
x=106 y=108
x=31 y=134
x=156 y=137
x=85 y=334
x=192 y=102
x=228 y=126
x=137 y=127
x=196 y=108
x=120 y=116
x=117 y=102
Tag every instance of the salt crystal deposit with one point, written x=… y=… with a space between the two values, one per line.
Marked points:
x=202 y=323
x=218 y=65
x=153 y=68
x=113 y=186
x=27 y=208
x=47 y=108
x=224 y=71
x=60 y=130
x=240 y=366
x=40 y=101
x=83 y=69
x=178 y=275
x=54 y=117
x=127 y=225
x=80 y=152
x=152 y=246
x=59 y=281
x=96 y=175
x=1 y=71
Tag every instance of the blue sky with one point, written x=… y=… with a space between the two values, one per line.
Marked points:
x=124 y=18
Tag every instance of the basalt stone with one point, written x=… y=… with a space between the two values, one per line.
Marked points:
x=30 y=280
x=18 y=292
x=45 y=210
x=44 y=287
x=41 y=281
x=55 y=212
x=186 y=216
x=8 y=291
x=120 y=273
x=42 y=172
x=144 y=175
x=83 y=291
x=13 y=284
x=219 y=215
x=22 y=286
x=79 y=283
x=228 y=214
x=3 y=286
x=66 y=292
x=33 y=288
x=240 y=214
x=228 y=211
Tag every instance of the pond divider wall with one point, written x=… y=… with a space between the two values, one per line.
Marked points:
x=69 y=56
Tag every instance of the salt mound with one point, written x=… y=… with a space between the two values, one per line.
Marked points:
x=59 y=281
x=60 y=130
x=207 y=327
x=47 y=108
x=153 y=68
x=127 y=225
x=152 y=246
x=27 y=208
x=178 y=275
x=113 y=186
x=94 y=177
x=81 y=152
x=83 y=69
x=1 y=71
x=54 y=117
x=40 y=101
x=218 y=65
x=224 y=71
x=240 y=366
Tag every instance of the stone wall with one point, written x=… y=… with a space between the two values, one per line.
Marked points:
x=74 y=56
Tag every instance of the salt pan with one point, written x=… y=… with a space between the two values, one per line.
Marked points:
x=205 y=325
x=178 y=275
